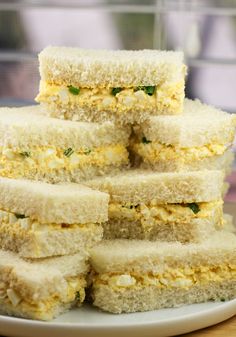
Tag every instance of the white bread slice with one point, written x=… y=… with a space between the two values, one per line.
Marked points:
x=121 y=256
x=46 y=242
x=102 y=68
x=192 y=230
x=132 y=276
x=200 y=124
x=68 y=203
x=27 y=127
x=41 y=290
x=135 y=186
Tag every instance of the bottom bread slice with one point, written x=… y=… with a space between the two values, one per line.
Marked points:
x=45 y=240
x=41 y=289
x=169 y=222
x=195 y=230
x=151 y=298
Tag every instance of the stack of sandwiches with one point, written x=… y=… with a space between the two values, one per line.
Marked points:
x=113 y=186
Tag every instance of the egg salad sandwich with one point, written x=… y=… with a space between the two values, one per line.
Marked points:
x=131 y=276
x=198 y=139
x=183 y=206
x=40 y=220
x=38 y=147
x=99 y=85
x=41 y=289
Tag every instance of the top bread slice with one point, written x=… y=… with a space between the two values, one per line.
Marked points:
x=68 y=203
x=42 y=279
x=109 y=68
x=138 y=186
x=200 y=124
x=145 y=256
x=28 y=126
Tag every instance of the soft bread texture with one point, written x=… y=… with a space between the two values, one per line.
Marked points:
x=43 y=243
x=42 y=282
x=150 y=298
x=220 y=162
x=102 y=68
x=29 y=126
x=195 y=230
x=145 y=256
x=199 y=124
x=136 y=186
x=68 y=203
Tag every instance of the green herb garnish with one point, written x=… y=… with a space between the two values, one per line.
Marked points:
x=145 y=140
x=25 y=154
x=68 y=152
x=115 y=91
x=73 y=90
x=20 y=216
x=149 y=90
x=194 y=207
x=77 y=296
x=88 y=151
x=222 y=299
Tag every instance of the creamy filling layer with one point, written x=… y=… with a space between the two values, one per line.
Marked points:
x=11 y=296
x=16 y=162
x=184 y=277
x=154 y=152
x=19 y=224
x=153 y=213
x=115 y=99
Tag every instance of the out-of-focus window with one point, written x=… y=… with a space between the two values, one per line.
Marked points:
x=204 y=29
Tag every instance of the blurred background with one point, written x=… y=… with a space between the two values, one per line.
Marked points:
x=204 y=29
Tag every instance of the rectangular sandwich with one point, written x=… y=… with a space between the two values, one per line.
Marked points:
x=39 y=220
x=198 y=139
x=131 y=276
x=122 y=86
x=41 y=289
x=169 y=206
x=38 y=147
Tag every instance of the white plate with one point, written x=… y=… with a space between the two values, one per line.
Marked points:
x=89 y=322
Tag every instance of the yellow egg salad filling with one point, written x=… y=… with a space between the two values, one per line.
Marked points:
x=19 y=224
x=16 y=163
x=153 y=213
x=184 y=277
x=121 y=100
x=42 y=308
x=154 y=151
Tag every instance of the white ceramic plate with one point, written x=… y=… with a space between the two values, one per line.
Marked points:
x=89 y=322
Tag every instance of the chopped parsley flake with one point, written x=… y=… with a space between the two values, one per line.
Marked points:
x=77 y=296
x=25 y=154
x=88 y=151
x=145 y=140
x=115 y=91
x=149 y=90
x=20 y=216
x=194 y=207
x=73 y=90
x=68 y=152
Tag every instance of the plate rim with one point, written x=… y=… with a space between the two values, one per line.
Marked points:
x=176 y=320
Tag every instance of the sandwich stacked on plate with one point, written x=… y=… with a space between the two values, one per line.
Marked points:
x=143 y=168
x=45 y=233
